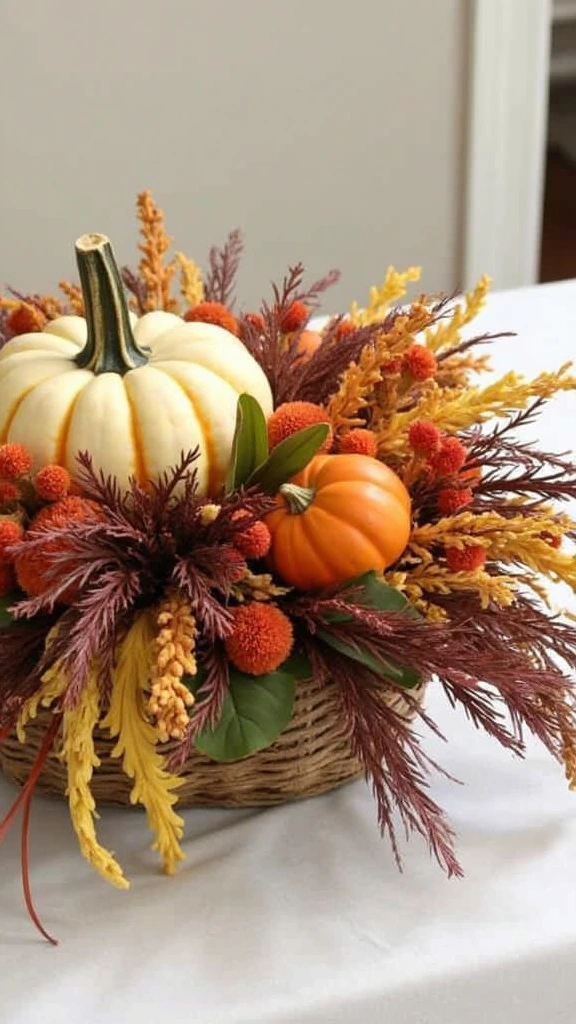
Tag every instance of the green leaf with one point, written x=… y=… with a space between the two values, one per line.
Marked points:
x=400 y=674
x=374 y=593
x=250 y=444
x=256 y=710
x=289 y=457
x=5 y=616
x=297 y=665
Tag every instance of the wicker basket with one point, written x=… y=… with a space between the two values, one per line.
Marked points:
x=311 y=757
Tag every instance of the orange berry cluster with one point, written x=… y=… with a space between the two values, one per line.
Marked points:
x=51 y=483
x=445 y=457
x=23 y=495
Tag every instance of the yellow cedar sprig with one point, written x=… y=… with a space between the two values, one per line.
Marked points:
x=155 y=272
x=153 y=786
x=446 y=334
x=359 y=380
x=380 y=299
x=79 y=754
x=191 y=286
x=433 y=578
x=453 y=410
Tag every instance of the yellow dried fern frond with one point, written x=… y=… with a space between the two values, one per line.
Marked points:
x=51 y=687
x=136 y=742
x=191 y=286
x=79 y=754
x=446 y=334
x=380 y=299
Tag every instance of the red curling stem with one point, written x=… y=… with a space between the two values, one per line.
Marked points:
x=24 y=799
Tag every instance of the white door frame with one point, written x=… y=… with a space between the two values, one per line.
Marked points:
x=508 y=106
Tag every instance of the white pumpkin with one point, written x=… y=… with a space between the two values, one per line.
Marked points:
x=135 y=393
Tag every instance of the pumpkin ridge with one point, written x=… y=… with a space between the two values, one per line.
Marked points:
x=140 y=467
x=363 y=528
x=191 y=362
x=309 y=529
x=65 y=431
x=213 y=474
x=363 y=539
x=15 y=407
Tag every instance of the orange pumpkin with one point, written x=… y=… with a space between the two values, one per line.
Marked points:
x=341 y=516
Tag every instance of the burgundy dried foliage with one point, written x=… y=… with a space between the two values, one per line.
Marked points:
x=389 y=750
x=209 y=700
x=21 y=654
x=276 y=353
x=224 y=262
x=145 y=542
x=505 y=666
x=136 y=288
x=469 y=343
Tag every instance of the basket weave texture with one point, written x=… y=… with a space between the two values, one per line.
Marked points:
x=310 y=757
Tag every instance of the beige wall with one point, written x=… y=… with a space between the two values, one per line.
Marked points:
x=330 y=132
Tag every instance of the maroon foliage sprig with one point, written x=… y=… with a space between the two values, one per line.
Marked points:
x=389 y=751
x=209 y=700
x=136 y=287
x=224 y=263
x=142 y=544
x=21 y=652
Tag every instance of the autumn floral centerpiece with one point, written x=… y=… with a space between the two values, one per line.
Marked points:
x=235 y=546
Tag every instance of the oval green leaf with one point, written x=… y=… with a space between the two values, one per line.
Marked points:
x=402 y=675
x=250 y=444
x=289 y=457
x=256 y=710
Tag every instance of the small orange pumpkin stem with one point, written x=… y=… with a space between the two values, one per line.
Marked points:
x=297 y=498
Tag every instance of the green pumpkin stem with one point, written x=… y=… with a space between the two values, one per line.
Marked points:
x=110 y=346
x=297 y=498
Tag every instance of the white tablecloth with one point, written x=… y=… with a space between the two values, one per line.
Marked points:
x=297 y=914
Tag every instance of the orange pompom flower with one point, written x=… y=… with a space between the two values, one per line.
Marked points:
x=451 y=500
x=15 y=461
x=9 y=492
x=424 y=437
x=450 y=458
x=293 y=416
x=213 y=313
x=35 y=567
x=420 y=362
x=359 y=442
x=465 y=559
x=261 y=638
x=7 y=579
x=255 y=540
x=25 y=319
x=52 y=483
x=343 y=330
x=294 y=317
x=10 y=533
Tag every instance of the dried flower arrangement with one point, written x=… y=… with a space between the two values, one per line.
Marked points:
x=203 y=508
